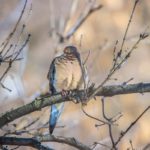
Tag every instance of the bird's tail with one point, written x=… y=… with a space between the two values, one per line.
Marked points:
x=56 y=110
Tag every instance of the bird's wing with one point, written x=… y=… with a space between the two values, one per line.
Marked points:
x=56 y=109
x=52 y=77
x=83 y=82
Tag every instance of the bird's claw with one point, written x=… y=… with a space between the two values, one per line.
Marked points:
x=65 y=93
x=82 y=99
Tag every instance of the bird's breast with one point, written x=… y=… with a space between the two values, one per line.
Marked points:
x=68 y=74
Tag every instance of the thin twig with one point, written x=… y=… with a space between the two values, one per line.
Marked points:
x=15 y=57
x=98 y=143
x=24 y=130
x=118 y=65
x=92 y=117
x=6 y=41
x=131 y=125
x=87 y=57
x=109 y=125
x=129 y=22
x=146 y=147
x=81 y=20
x=114 y=69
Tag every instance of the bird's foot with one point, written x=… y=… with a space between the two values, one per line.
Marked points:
x=79 y=100
x=68 y=94
x=65 y=93
x=82 y=98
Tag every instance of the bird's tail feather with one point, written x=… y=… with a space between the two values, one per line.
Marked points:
x=56 y=110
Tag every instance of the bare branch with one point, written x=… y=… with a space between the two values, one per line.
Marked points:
x=59 y=139
x=97 y=119
x=81 y=20
x=23 y=142
x=109 y=125
x=147 y=147
x=14 y=58
x=6 y=42
x=113 y=90
x=8 y=52
x=117 y=64
x=129 y=22
x=123 y=133
x=48 y=100
x=36 y=141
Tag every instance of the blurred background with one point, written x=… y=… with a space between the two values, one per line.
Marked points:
x=98 y=34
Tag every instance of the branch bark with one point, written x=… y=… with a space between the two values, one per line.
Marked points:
x=69 y=141
x=48 y=100
x=36 y=142
x=23 y=142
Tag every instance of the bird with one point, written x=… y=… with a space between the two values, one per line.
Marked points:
x=66 y=72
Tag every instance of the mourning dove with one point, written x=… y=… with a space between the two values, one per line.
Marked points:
x=65 y=73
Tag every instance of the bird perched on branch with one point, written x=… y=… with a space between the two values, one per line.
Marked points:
x=66 y=73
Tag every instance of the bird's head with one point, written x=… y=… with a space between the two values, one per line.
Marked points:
x=71 y=51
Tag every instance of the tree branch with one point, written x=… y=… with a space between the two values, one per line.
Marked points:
x=81 y=20
x=36 y=142
x=123 y=133
x=6 y=42
x=48 y=100
x=59 y=139
x=113 y=90
x=23 y=142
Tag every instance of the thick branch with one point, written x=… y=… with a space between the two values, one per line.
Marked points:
x=69 y=141
x=48 y=100
x=36 y=142
x=113 y=90
x=23 y=142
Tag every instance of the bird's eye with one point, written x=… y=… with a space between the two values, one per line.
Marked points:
x=67 y=50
